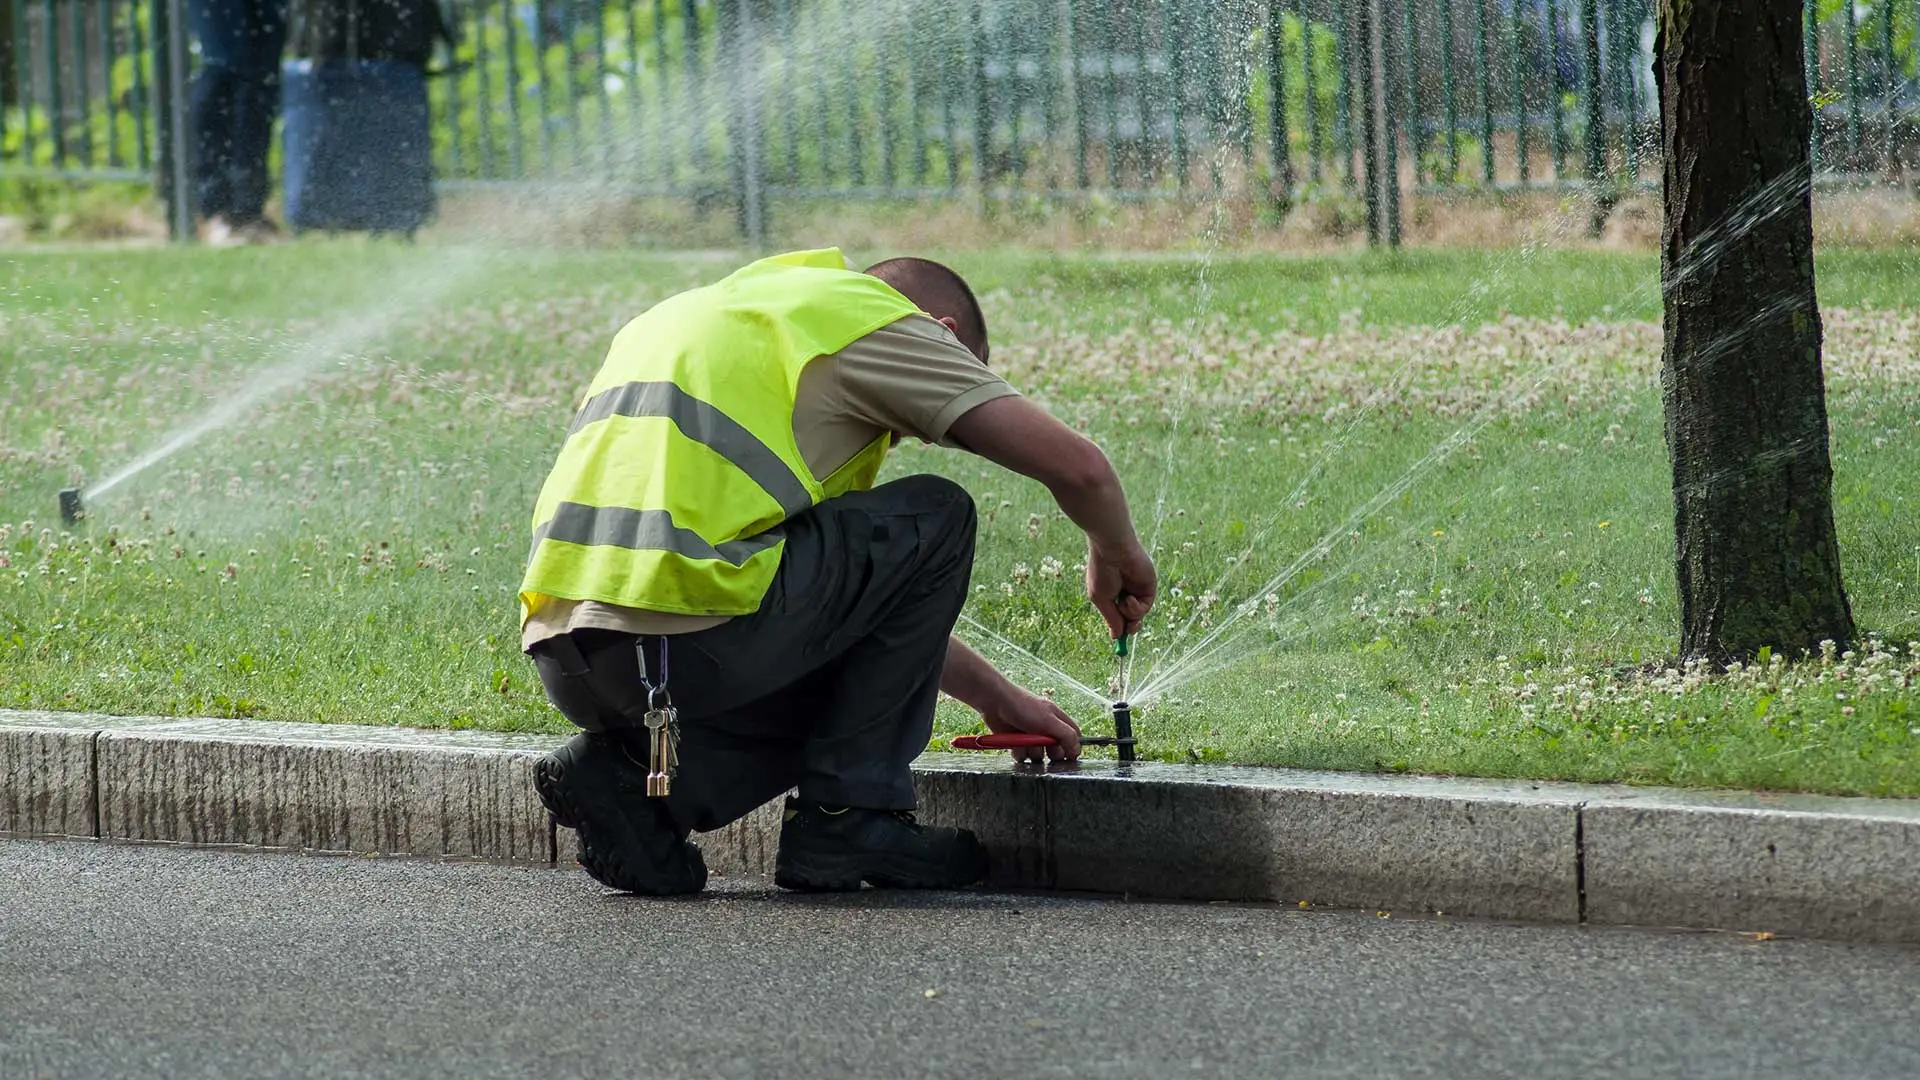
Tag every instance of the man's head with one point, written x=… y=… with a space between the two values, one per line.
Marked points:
x=940 y=293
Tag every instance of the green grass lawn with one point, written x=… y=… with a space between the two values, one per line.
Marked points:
x=344 y=545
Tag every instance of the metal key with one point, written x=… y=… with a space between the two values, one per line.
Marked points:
x=662 y=754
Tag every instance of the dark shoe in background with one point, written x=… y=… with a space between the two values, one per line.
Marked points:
x=834 y=850
x=627 y=840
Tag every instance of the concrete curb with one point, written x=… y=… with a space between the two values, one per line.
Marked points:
x=1788 y=864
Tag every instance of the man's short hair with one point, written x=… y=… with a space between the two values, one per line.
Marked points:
x=940 y=292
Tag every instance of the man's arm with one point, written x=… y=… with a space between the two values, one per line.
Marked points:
x=969 y=679
x=1016 y=434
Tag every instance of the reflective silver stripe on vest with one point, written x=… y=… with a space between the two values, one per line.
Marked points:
x=644 y=530
x=704 y=424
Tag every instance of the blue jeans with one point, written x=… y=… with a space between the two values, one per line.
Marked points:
x=236 y=96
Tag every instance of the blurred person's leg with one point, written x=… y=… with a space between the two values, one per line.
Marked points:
x=215 y=25
x=236 y=96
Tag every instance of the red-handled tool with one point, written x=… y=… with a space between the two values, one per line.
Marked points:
x=1019 y=740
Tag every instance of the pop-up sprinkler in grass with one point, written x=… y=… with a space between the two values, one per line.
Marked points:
x=71 y=509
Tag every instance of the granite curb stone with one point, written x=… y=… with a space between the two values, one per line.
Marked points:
x=1539 y=851
x=1841 y=871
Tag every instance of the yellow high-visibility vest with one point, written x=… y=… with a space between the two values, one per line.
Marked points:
x=681 y=465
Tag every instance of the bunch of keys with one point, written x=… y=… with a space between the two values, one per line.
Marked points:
x=663 y=749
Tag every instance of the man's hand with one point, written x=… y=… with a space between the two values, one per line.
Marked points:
x=1122 y=587
x=1005 y=707
x=1035 y=715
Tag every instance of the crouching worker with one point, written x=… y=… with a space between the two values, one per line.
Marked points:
x=723 y=601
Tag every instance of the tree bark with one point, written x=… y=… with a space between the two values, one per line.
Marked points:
x=1744 y=394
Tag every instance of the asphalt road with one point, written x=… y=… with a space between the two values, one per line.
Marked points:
x=161 y=962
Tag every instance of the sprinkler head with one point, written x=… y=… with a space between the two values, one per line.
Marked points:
x=70 y=509
x=1123 y=730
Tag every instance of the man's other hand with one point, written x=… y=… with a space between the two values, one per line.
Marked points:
x=1122 y=587
x=1030 y=713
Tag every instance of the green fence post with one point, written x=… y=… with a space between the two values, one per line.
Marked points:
x=1207 y=37
x=823 y=112
x=9 y=79
x=1524 y=172
x=747 y=76
x=483 y=90
x=598 y=72
x=1177 y=89
x=949 y=126
x=1411 y=119
x=916 y=131
x=541 y=99
x=1812 y=26
x=170 y=55
x=695 y=101
x=516 y=137
x=1390 y=125
x=1077 y=83
x=1616 y=76
x=1362 y=28
x=452 y=95
x=729 y=61
x=1310 y=92
x=1449 y=102
x=56 y=109
x=1110 y=45
x=77 y=26
x=883 y=86
x=103 y=37
x=1596 y=106
x=1044 y=33
x=788 y=27
x=570 y=85
x=1630 y=99
x=1142 y=102
x=1596 y=121
x=1853 y=85
x=1483 y=78
x=982 y=116
x=850 y=89
x=1015 y=98
x=158 y=23
x=661 y=111
x=1279 y=160
x=1343 y=89
x=629 y=162
x=1891 y=84
x=1556 y=92
x=141 y=105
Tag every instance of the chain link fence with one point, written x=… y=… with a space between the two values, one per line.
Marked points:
x=742 y=102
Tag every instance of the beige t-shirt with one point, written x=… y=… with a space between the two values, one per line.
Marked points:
x=912 y=377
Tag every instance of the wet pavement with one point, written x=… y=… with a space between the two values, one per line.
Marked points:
x=163 y=962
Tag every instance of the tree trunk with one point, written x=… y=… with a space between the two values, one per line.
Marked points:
x=1745 y=400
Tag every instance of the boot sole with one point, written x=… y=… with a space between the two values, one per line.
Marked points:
x=845 y=873
x=597 y=856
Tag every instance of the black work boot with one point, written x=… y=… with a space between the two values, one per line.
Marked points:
x=834 y=850
x=627 y=840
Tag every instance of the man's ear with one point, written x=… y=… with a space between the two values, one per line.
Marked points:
x=952 y=324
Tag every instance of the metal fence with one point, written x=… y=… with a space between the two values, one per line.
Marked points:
x=739 y=102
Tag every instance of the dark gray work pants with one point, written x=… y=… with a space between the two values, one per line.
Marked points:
x=830 y=686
